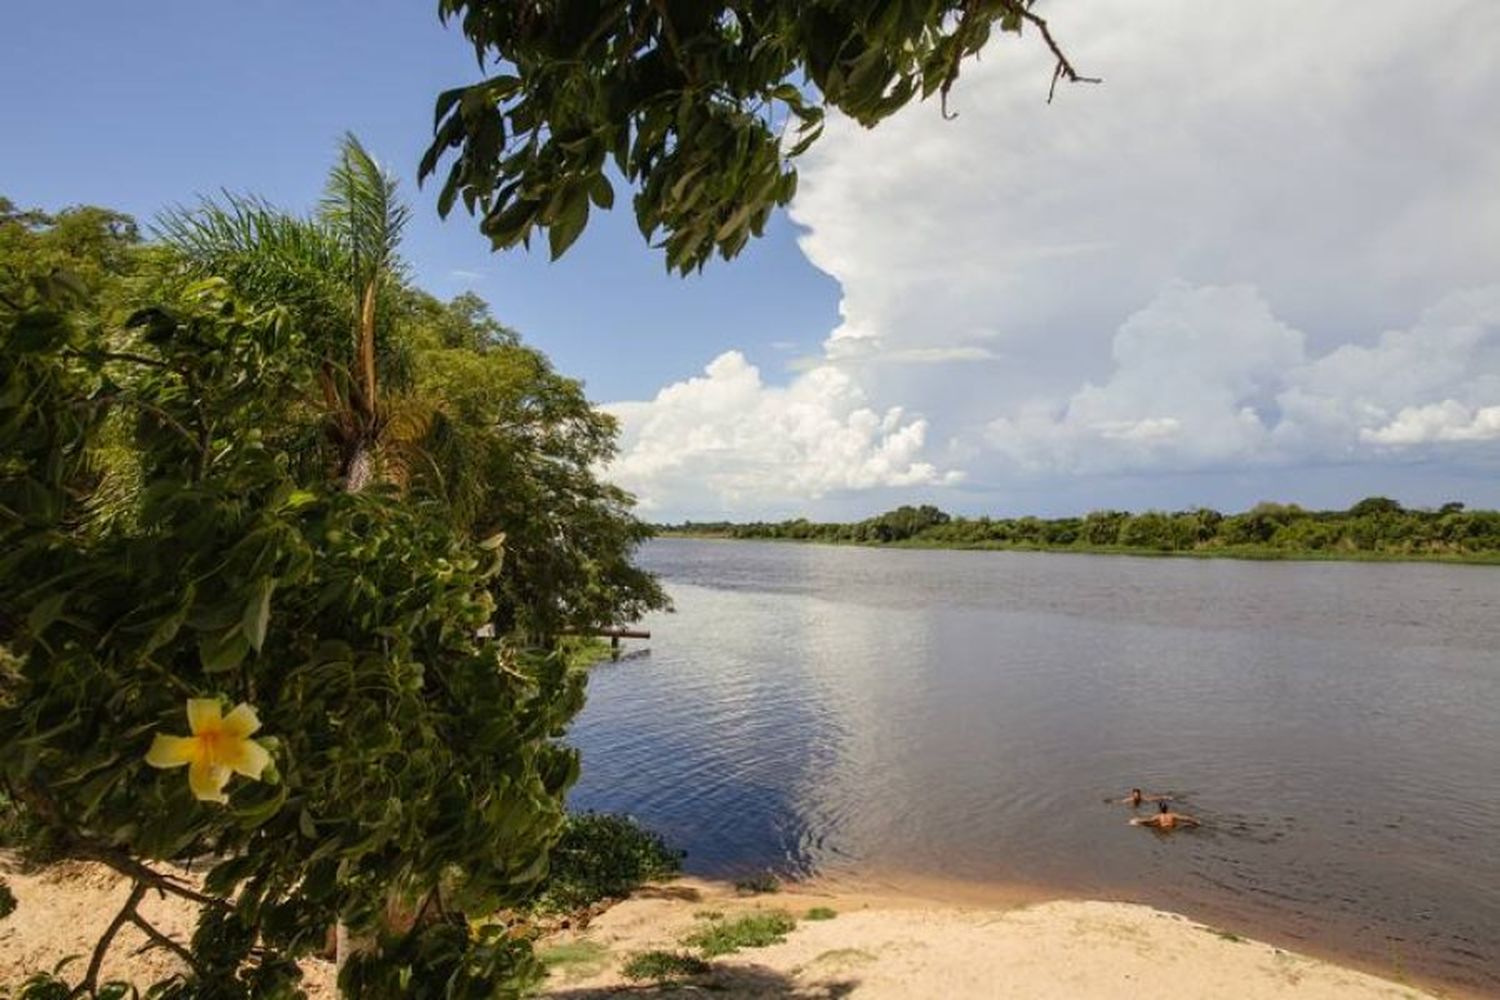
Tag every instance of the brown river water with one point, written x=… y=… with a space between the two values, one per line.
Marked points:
x=858 y=713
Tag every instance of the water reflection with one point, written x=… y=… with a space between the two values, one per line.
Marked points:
x=964 y=714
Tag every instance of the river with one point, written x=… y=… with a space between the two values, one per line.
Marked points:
x=888 y=713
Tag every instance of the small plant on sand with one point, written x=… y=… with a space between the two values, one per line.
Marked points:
x=821 y=913
x=663 y=967
x=709 y=915
x=753 y=930
x=575 y=959
x=758 y=884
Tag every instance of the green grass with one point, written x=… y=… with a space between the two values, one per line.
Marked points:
x=821 y=913
x=757 y=884
x=663 y=967
x=709 y=915
x=753 y=930
x=575 y=959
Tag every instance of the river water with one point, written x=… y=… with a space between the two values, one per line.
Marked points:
x=881 y=713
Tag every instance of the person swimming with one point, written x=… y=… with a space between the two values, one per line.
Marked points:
x=1136 y=797
x=1165 y=818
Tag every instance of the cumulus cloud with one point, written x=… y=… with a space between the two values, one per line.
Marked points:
x=727 y=438
x=1194 y=372
x=1447 y=421
x=1244 y=255
x=1208 y=378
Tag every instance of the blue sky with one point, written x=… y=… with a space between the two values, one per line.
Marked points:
x=1260 y=261
x=139 y=105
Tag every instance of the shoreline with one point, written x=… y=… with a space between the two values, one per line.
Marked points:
x=919 y=940
x=898 y=889
x=1243 y=554
x=891 y=936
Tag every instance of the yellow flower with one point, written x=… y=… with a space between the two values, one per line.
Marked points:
x=220 y=744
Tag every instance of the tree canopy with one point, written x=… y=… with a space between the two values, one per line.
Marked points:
x=1375 y=526
x=702 y=105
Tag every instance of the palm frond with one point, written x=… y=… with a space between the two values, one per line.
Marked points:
x=268 y=255
x=361 y=204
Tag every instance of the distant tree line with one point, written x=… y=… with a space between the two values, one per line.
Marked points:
x=1375 y=525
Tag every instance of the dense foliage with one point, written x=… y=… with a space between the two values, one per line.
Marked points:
x=702 y=105
x=601 y=857
x=252 y=465
x=1375 y=526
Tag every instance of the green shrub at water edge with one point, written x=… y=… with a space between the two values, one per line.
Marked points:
x=602 y=856
x=753 y=930
x=663 y=966
x=758 y=884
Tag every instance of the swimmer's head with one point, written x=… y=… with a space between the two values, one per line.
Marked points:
x=1161 y=806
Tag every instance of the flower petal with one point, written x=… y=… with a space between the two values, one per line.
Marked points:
x=242 y=721
x=204 y=714
x=208 y=780
x=246 y=757
x=172 y=751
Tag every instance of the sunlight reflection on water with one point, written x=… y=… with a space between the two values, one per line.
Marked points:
x=833 y=710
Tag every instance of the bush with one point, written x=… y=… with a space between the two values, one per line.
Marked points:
x=754 y=930
x=400 y=751
x=663 y=966
x=599 y=857
x=821 y=913
x=758 y=884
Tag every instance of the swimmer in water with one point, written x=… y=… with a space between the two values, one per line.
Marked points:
x=1165 y=819
x=1136 y=797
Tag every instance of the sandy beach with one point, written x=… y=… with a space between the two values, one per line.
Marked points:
x=877 y=946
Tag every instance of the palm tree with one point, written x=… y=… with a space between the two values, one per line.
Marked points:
x=340 y=272
x=361 y=208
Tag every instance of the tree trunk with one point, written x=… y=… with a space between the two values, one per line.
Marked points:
x=361 y=469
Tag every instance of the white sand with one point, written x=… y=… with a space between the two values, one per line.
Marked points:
x=63 y=909
x=876 y=948
x=879 y=948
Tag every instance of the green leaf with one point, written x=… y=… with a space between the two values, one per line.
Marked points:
x=46 y=611
x=258 y=612
x=569 y=226
x=602 y=192
x=167 y=629
x=224 y=652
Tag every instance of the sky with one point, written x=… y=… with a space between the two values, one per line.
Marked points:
x=1261 y=260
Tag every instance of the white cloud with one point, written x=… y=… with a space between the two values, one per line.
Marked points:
x=1192 y=371
x=1186 y=269
x=726 y=438
x=1447 y=421
x=1205 y=377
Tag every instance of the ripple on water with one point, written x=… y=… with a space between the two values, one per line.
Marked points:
x=830 y=710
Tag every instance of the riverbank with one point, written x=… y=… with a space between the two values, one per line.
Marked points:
x=893 y=947
x=870 y=944
x=1248 y=553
